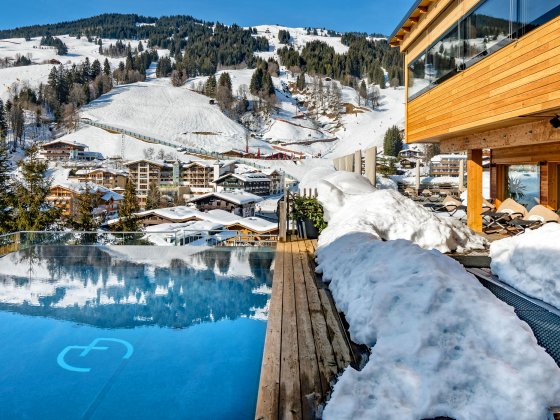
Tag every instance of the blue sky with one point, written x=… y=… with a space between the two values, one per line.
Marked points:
x=358 y=15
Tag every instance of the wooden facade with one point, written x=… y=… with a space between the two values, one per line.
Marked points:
x=502 y=102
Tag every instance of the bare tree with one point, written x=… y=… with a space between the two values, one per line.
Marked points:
x=374 y=97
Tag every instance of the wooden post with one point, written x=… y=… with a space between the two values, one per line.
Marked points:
x=282 y=221
x=371 y=165
x=461 y=176
x=358 y=162
x=474 y=189
x=417 y=171
x=349 y=163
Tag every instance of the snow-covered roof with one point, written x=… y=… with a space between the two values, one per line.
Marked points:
x=151 y=162
x=246 y=177
x=173 y=213
x=71 y=143
x=439 y=158
x=82 y=187
x=237 y=197
x=195 y=226
x=227 y=219
x=105 y=170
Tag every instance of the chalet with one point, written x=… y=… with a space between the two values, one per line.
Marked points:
x=199 y=175
x=484 y=75
x=178 y=214
x=109 y=178
x=246 y=225
x=60 y=150
x=65 y=196
x=277 y=180
x=411 y=154
x=239 y=203
x=254 y=183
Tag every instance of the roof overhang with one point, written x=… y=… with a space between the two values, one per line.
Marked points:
x=412 y=17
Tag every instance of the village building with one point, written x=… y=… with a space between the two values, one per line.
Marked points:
x=65 y=196
x=239 y=203
x=60 y=150
x=277 y=180
x=255 y=183
x=108 y=178
x=447 y=165
x=483 y=75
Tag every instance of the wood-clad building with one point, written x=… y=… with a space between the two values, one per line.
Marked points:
x=485 y=74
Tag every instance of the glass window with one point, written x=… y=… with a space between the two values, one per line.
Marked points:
x=442 y=57
x=417 y=77
x=524 y=184
x=534 y=13
x=486 y=29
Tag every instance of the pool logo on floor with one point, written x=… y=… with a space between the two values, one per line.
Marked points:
x=85 y=351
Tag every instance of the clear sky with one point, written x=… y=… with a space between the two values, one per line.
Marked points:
x=358 y=15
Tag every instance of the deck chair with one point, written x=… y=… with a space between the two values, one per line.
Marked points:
x=487 y=205
x=449 y=205
x=538 y=216
x=498 y=219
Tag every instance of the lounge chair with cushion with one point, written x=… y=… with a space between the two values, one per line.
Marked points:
x=496 y=220
x=538 y=216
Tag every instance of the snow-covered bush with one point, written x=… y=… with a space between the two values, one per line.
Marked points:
x=530 y=261
x=352 y=204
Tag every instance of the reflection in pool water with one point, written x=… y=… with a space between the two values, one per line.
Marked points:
x=196 y=324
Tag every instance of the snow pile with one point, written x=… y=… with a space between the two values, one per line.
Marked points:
x=528 y=262
x=434 y=351
x=352 y=204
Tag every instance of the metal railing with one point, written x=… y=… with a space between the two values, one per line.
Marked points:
x=190 y=150
x=12 y=242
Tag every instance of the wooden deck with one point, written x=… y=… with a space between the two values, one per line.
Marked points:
x=306 y=345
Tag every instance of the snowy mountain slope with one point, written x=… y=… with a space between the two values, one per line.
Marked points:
x=38 y=72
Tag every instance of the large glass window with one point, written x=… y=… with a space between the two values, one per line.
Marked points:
x=524 y=184
x=486 y=29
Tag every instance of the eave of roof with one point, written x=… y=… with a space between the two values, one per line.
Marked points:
x=405 y=19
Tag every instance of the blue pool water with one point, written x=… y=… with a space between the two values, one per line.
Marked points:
x=88 y=332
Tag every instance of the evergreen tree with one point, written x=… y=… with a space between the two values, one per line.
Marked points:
x=267 y=85
x=3 y=122
x=225 y=80
x=32 y=210
x=363 y=90
x=210 y=86
x=140 y=47
x=128 y=207
x=300 y=81
x=6 y=213
x=84 y=220
x=95 y=69
x=154 y=197
x=106 y=67
x=393 y=141
x=255 y=87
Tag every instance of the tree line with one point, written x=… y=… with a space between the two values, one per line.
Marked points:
x=365 y=59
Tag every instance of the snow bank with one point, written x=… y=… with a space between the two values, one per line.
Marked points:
x=434 y=351
x=352 y=204
x=529 y=261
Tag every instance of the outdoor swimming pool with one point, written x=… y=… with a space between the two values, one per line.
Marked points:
x=132 y=332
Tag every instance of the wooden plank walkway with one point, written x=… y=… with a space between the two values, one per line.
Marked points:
x=306 y=345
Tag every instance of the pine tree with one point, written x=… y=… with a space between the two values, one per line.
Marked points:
x=267 y=85
x=84 y=220
x=95 y=69
x=154 y=197
x=140 y=47
x=32 y=211
x=210 y=86
x=225 y=80
x=255 y=87
x=300 y=81
x=106 y=67
x=393 y=141
x=128 y=207
x=363 y=90
x=3 y=122
x=6 y=212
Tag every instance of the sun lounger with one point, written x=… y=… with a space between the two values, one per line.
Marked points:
x=538 y=216
x=498 y=219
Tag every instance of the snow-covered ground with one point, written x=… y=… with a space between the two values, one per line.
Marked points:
x=433 y=350
x=33 y=75
x=442 y=344
x=530 y=262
